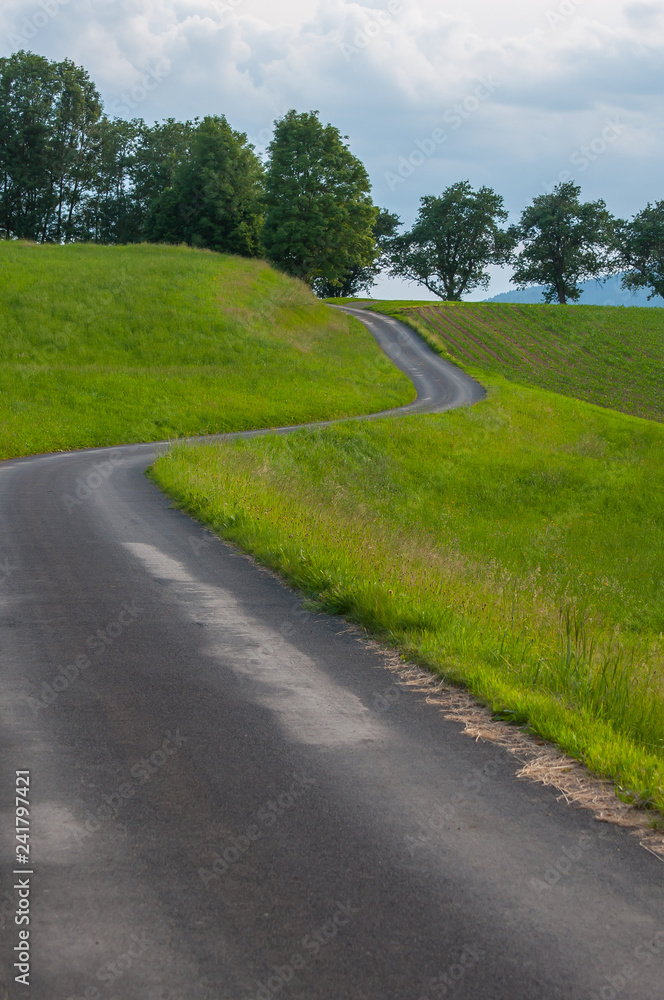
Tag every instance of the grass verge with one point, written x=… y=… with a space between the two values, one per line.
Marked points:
x=110 y=345
x=515 y=547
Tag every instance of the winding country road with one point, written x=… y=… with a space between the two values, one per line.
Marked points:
x=234 y=798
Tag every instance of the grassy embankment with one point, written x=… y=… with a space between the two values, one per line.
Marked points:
x=106 y=345
x=516 y=547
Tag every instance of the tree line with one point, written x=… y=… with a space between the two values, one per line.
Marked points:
x=68 y=173
x=559 y=242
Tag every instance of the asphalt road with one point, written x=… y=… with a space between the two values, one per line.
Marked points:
x=233 y=798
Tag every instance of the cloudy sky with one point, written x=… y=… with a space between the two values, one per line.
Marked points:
x=516 y=95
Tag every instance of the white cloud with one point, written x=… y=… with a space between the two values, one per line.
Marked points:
x=389 y=73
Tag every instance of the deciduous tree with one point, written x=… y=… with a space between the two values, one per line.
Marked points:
x=362 y=279
x=48 y=113
x=564 y=242
x=640 y=249
x=319 y=216
x=454 y=239
x=215 y=198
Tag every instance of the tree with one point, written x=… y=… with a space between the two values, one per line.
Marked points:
x=362 y=279
x=564 y=243
x=48 y=112
x=454 y=239
x=214 y=200
x=77 y=109
x=640 y=249
x=26 y=97
x=110 y=211
x=319 y=216
x=160 y=151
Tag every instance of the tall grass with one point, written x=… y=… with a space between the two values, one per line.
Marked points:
x=515 y=547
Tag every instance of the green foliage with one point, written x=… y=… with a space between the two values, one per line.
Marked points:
x=564 y=242
x=362 y=278
x=70 y=173
x=319 y=216
x=640 y=247
x=515 y=546
x=110 y=212
x=455 y=238
x=135 y=165
x=48 y=112
x=214 y=196
x=106 y=345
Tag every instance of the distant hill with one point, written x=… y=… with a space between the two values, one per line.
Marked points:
x=611 y=293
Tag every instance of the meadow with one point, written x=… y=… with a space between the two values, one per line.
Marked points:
x=609 y=355
x=515 y=547
x=111 y=345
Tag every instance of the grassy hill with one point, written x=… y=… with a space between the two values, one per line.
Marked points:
x=610 y=356
x=516 y=547
x=106 y=345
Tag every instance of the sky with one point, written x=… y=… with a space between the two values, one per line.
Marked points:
x=514 y=95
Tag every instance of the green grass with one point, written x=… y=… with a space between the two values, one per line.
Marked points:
x=108 y=345
x=612 y=356
x=516 y=547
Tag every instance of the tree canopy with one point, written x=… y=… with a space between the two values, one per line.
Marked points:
x=48 y=111
x=319 y=217
x=564 y=242
x=214 y=196
x=362 y=278
x=69 y=172
x=454 y=239
x=640 y=248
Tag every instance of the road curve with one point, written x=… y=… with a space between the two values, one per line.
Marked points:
x=233 y=798
x=440 y=385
